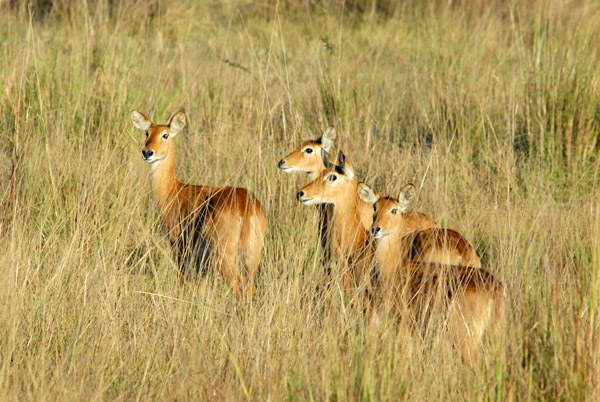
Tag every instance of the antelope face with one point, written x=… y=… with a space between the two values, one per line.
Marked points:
x=388 y=216
x=335 y=184
x=158 y=143
x=308 y=157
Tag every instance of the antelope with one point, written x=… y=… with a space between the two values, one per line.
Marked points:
x=312 y=157
x=216 y=225
x=467 y=300
x=423 y=270
x=397 y=240
x=308 y=158
x=348 y=236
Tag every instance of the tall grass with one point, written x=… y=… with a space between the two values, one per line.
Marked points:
x=490 y=109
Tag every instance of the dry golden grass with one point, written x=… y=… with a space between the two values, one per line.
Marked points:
x=492 y=110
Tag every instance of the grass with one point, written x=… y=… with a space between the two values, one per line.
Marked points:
x=492 y=110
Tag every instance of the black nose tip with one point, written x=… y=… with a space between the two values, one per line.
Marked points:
x=375 y=230
x=281 y=163
x=147 y=154
x=299 y=194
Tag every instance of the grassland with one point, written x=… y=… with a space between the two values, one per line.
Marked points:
x=491 y=109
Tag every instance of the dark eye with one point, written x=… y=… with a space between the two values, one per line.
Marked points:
x=332 y=177
x=308 y=150
x=374 y=208
x=394 y=211
x=166 y=136
x=146 y=134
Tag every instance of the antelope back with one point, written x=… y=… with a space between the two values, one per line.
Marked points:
x=441 y=246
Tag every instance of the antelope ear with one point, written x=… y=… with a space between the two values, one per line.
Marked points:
x=346 y=167
x=367 y=194
x=177 y=122
x=406 y=196
x=341 y=159
x=140 y=121
x=328 y=138
x=325 y=158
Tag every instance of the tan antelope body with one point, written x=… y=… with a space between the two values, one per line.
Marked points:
x=312 y=158
x=348 y=236
x=465 y=300
x=398 y=241
x=205 y=225
x=432 y=270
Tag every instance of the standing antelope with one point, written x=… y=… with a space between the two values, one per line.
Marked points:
x=348 y=236
x=397 y=239
x=204 y=224
x=312 y=157
x=466 y=300
x=421 y=272
x=432 y=270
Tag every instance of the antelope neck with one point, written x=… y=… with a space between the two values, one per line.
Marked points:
x=388 y=253
x=346 y=220
x=165 y=183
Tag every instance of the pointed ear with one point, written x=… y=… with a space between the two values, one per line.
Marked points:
x=328 y=138
x=177 y=122
x=325 y=158
x=345 y=166
x=341 y=159
x=367 y=194
x=406 y=196
x=140 y=121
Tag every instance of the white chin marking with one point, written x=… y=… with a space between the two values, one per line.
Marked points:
x=153 y=160
x=309 y=201
x=154 y=163
x=288 y=169
x=380 y=235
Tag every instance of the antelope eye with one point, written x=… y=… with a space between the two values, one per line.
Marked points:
x=308 y=150
x=394 y=211
x=165 y=136
x=146 y=134
x=332 y=177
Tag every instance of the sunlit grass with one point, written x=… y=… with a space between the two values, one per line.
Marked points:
x=491 y=110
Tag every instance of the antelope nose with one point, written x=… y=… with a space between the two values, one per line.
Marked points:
x=299 y=195
x=281 y=163
x=147 y=154
x=375 y=230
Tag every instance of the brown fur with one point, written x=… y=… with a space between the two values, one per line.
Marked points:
x=443 y=246
x=400 y=241
x=224 y=224
x=421 y=273
x=348 y=236
x=469 y=299
x=313 y=164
